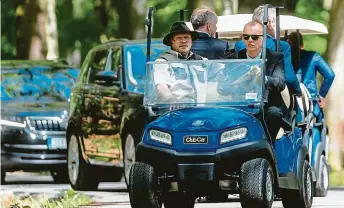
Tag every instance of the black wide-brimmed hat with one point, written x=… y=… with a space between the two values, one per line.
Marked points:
x=179 y=28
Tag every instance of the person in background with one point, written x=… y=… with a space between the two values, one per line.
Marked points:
x=204 y=21
x=291 y=80
x=307 y=64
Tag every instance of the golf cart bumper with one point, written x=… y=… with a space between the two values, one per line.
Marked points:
x=206 y=166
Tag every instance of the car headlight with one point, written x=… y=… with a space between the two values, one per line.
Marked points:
x=12 y=121
x=161 y=137
x=233 y=135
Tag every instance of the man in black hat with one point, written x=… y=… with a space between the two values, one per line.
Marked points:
x=174 y=82
x=180 y=40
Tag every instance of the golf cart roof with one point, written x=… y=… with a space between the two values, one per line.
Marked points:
x=231 y=26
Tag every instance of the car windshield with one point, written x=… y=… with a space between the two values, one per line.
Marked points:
x=43 y=83
x=204 y=83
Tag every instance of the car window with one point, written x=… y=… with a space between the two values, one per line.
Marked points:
x=97 y=65
x=115 y=62
x=135 y=63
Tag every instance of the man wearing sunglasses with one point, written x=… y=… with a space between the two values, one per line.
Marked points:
x=274 y=77
x=290 y=77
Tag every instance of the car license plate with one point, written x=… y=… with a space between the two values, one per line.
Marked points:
x=57 y=143
x=195 y=139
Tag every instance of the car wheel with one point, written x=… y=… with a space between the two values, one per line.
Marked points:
x=60 y=176
x=129 y=155
x=143 y=187
x=256 y=184
x=180 y=200
x=81 y=175
x=323 y=180
x=302 y=198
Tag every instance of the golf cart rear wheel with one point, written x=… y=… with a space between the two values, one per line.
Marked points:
x=256 y=184
x=323 y=180
x=302 y=198
x=179 y=200
x=143 y=187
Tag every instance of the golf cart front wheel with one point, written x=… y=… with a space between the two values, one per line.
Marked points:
x=256 y=184
x=323 y=180
x=302 y=198
x=143 y=187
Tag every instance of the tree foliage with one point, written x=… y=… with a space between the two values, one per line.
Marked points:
x=82 y=24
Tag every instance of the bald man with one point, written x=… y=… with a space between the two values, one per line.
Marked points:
x=274 y=78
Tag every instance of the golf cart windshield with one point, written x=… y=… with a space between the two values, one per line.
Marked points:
x=203 y=83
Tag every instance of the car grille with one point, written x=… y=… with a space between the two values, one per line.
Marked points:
x=46 y=124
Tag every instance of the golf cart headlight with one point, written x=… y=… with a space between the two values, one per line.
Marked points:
x=233 y=135
x=161 y=137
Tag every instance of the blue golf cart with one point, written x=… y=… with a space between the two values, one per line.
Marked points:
x=209 y=136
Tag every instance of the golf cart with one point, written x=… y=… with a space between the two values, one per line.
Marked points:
x=317 y=134
x=214 y=138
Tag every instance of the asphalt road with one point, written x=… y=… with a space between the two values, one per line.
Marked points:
x=115 y=194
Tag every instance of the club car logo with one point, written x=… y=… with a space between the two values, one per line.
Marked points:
x=195 y=139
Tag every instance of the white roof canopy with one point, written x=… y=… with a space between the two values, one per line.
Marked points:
x=231 y=26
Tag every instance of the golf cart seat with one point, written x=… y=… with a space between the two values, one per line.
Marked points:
x=289 y=102
x=305 y=107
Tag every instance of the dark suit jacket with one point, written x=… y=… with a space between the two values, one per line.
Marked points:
x=209 y=47
x=275 y=73
x=290 y=77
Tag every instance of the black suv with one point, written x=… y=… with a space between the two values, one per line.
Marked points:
x=34 y=112
x=107 y=117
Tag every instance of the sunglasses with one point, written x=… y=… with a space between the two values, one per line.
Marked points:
x=254 y=37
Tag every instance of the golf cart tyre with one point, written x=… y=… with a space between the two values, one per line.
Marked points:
x=256 y=184
x=302 y=198
x=322 y=185
x=143 y=186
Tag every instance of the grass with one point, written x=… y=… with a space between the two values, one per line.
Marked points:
x=337 y=178
x=68 y=199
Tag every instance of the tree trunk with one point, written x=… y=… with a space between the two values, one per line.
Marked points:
x=51 y=30
x=131 y=18
x=335 y=54
x=36 y=29
x=231 y=7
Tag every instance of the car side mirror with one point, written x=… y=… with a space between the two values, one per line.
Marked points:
x=107 y=78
